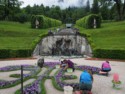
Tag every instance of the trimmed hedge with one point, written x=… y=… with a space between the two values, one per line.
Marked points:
x=37 y=40
x=10 y=53
x=4 y=53
x=88 y=21
x=44 y=22
x=109 y=53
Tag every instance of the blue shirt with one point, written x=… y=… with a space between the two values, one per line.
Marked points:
x=85 y=77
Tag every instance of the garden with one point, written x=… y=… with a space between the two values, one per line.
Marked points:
x=37 y=86
x=101 y=22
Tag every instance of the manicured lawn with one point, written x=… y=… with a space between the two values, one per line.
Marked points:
x=110 y=35
x=15 y=35
x=16 y=42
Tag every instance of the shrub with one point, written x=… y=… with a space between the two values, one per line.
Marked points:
x=24 y=52
x=109 y=53
x=37 y=40
x=33 y=21
x=9 y=53
x=44 y=22
x=88 y=21
x=20 y=17
x=4 y=53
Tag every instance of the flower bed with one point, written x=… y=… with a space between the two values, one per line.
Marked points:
x=13 y=68
x=6 y=84
x=92 y=68
x=35 y=87
x=60 y=75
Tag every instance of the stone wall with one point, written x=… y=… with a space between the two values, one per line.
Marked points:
x=62 y=45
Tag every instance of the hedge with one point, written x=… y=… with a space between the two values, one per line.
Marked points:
x=10 y=53
x=4 y=53
x=88 y=21
x=44 y=22
x=109 y=53
x=37 y=40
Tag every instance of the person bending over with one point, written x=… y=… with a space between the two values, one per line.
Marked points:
x=86 y=80
x=105 y=68
x=68 y=64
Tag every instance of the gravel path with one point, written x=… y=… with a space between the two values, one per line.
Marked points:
x=42 y=71
x=50 y=89
x=6 y=75
x=53 y=72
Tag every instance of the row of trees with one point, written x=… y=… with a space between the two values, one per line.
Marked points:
x=115 y=9
x=10 y=10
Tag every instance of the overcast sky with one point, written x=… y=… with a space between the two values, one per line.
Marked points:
x=64 y=4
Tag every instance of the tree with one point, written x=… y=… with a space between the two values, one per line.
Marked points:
x=95 y=7
x=1 y=2
x=120 y=6
x=10 y=7
x=87 y=6
x=105 y=12
x=105 y=7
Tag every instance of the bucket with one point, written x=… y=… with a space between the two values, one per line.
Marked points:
x=68 y=90
x=57 y=66
x=69 y=70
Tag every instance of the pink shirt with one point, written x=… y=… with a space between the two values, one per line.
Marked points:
x=105 y=65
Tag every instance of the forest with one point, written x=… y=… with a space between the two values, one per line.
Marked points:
x=112 y=10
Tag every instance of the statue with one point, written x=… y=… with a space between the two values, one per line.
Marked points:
x=40 y=62
x=37 y=23
x=94 y=23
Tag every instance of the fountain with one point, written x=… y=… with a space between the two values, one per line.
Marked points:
x=65 y=42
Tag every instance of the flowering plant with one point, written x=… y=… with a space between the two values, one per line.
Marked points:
x=116 y=79
x=6 y=84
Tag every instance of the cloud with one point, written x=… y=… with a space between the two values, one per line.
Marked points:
x=64 y=4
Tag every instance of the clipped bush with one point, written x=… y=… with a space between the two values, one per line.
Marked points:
x=4 y=53
x=109 y=53
x=10 y=53
x=37 y=40
x=90 y=21
x=24 y=52
x=33 y=21
x=40 y=21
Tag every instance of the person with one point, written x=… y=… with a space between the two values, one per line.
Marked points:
x=105 y=68
x=86 y=80
x=67 y=64
x=63 y=64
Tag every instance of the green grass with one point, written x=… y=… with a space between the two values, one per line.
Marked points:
x=15 y=35
x=110 y=35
